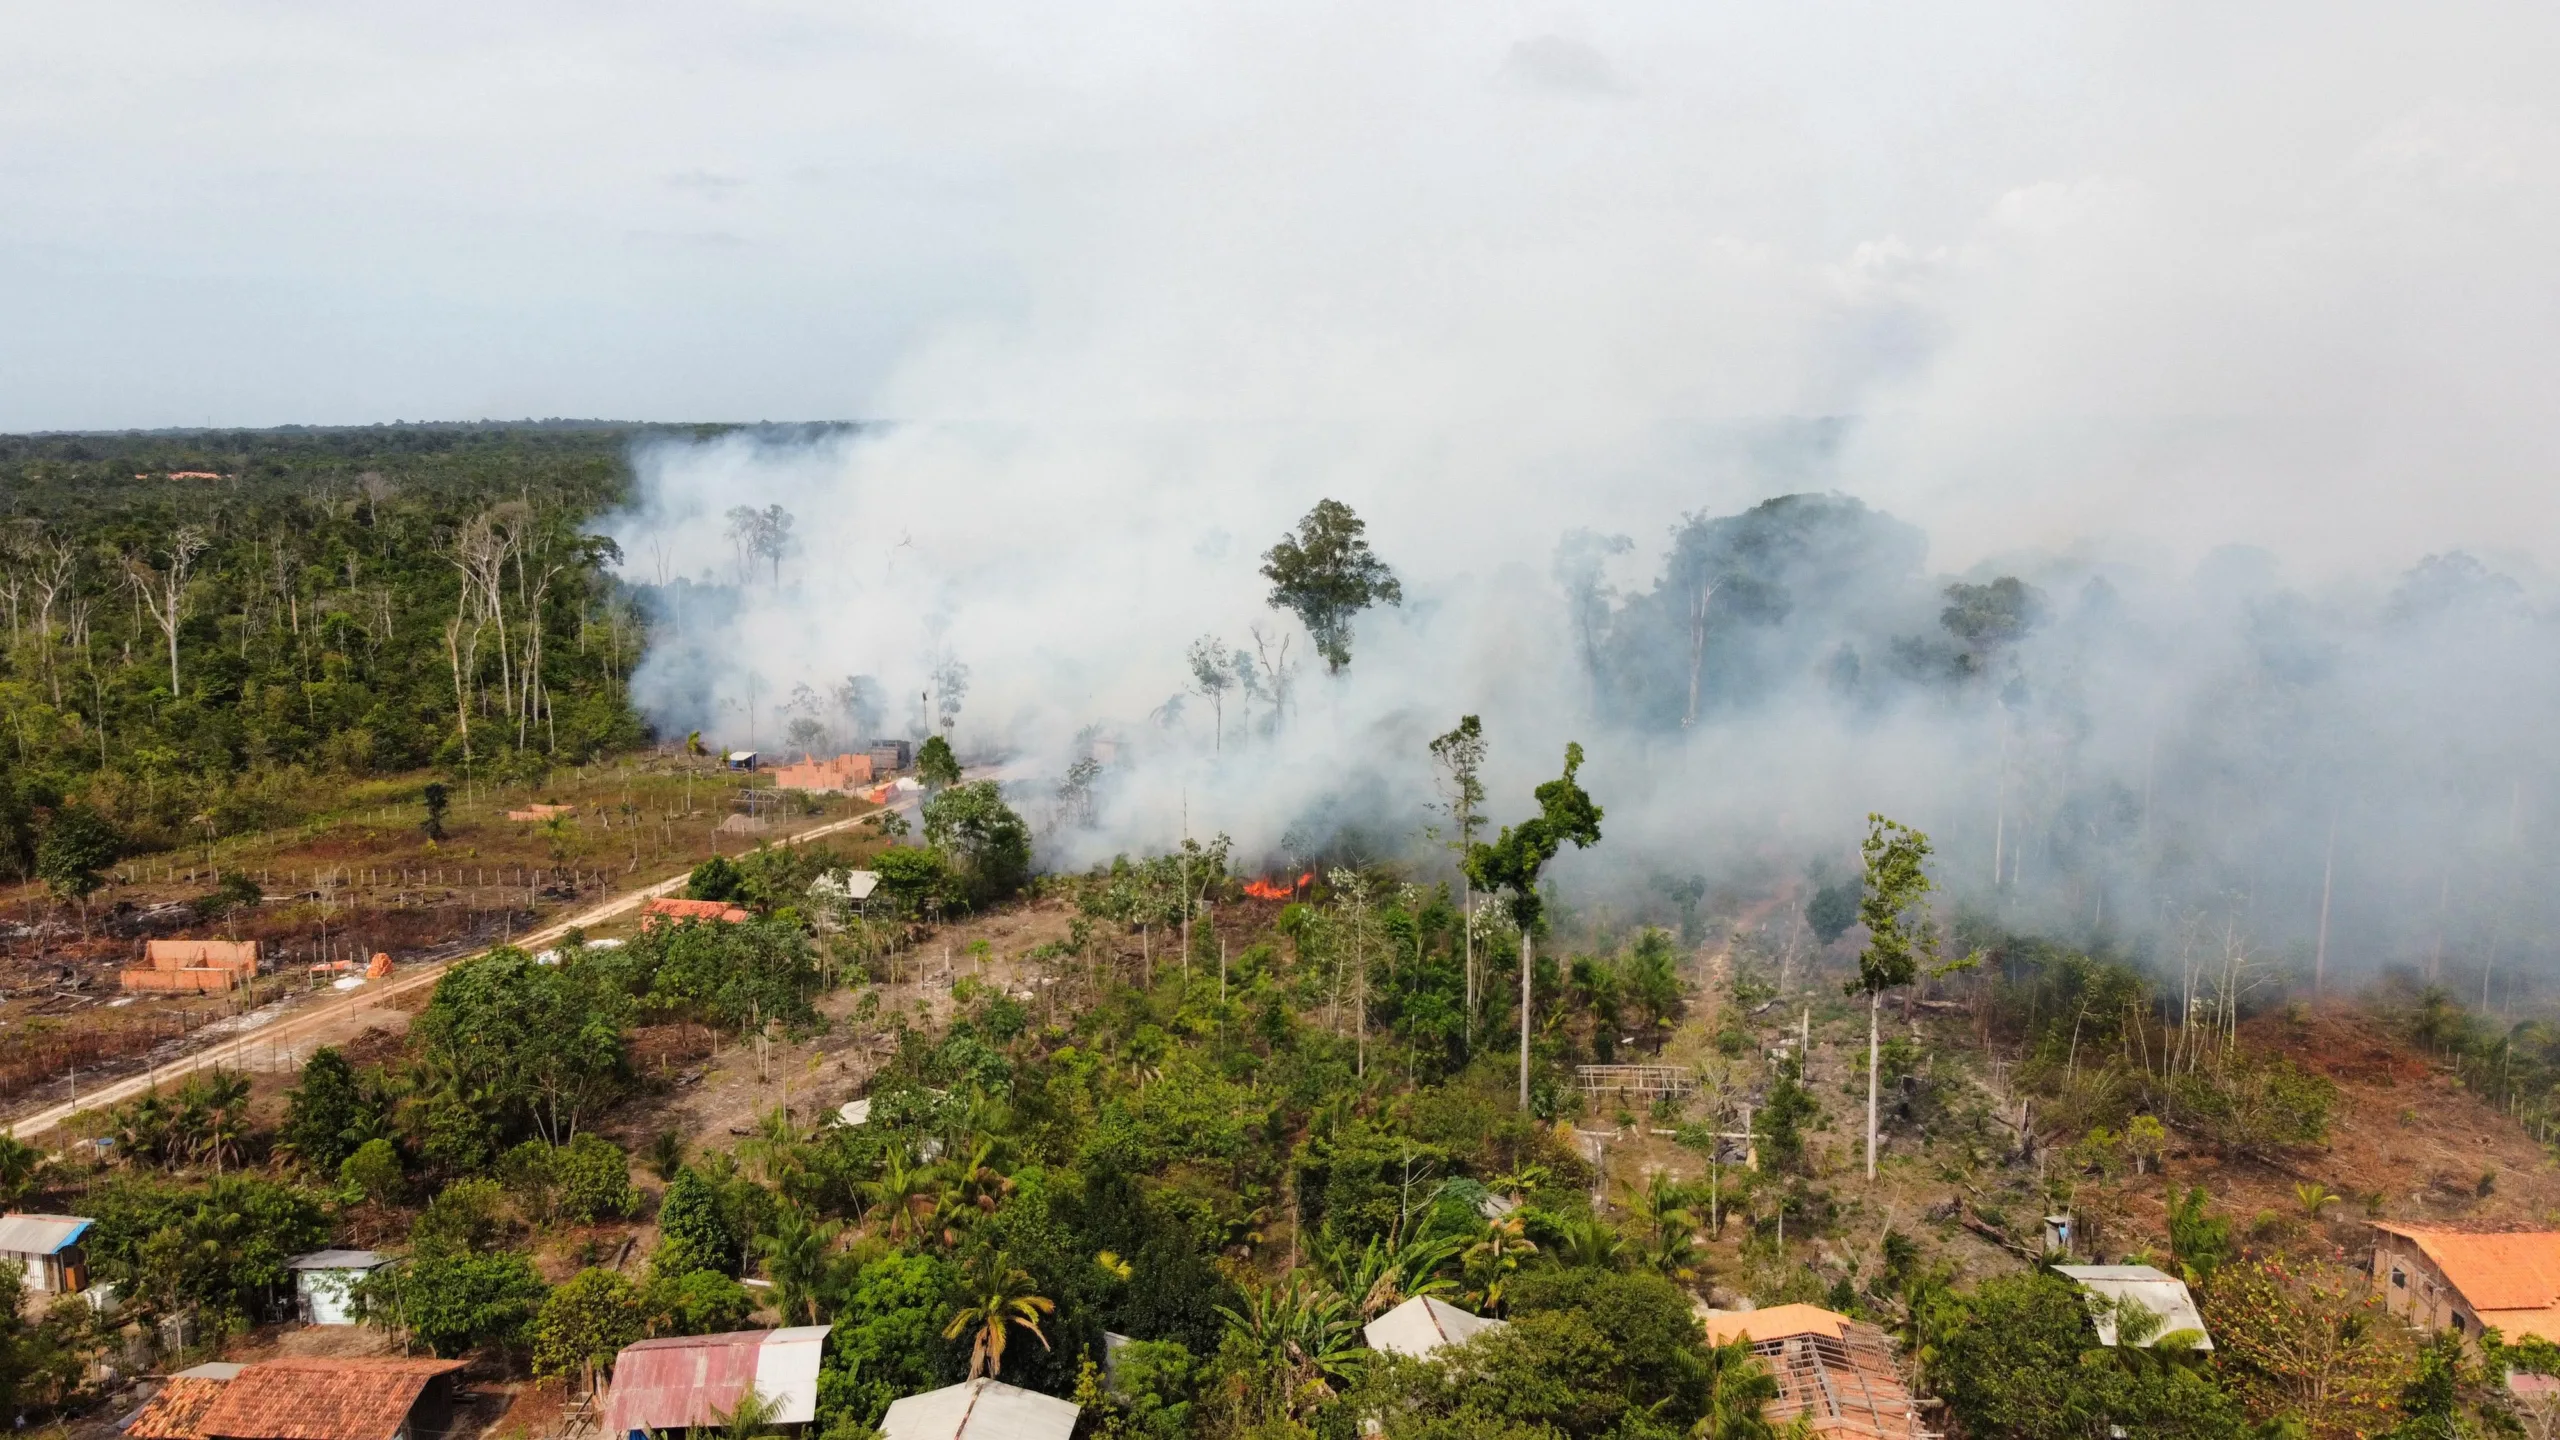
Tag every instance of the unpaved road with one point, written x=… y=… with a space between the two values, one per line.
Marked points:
x=239 y=1048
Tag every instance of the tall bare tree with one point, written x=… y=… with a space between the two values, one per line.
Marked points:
x=164 y=592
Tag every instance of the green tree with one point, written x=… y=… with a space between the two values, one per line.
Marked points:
x=438 y=801
x=456 y=1303
x=2019 y=1358
x=992 y=843
x=701 y=1302
x=797 y=1248
x=694 y=1232
x=594 y=1176
x=1833 y=909
x=715 y=879
x=887 y=1340
x=1517 y=855
x=583 y=1324
x=372 y=1171
x=77 y=847
x=936 y=766
x=329 y=1112
x=540 y=1046
x=1893 y=906
x=1326 y=575
x=996 y=1296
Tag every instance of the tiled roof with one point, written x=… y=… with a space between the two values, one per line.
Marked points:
x=1775 y=1323
x=310 y=1398
x=174 y=1412
x=2517 y=1270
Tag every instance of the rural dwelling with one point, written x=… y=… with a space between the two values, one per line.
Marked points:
x=740 y=759
x=689 y=1381
x=890 y=755
x=980 y=1410
x=833 y=777
x=47 y=1247
x=1839 y=1376
x=338 y=1397
x=178 y=1408
x=668 y=909
x=193 y=966
x=2467 y=1280
x=1424 y=1324
x=2165 y=1296
x=324 y=1283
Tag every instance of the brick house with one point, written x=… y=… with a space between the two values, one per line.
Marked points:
x=2439 y=1278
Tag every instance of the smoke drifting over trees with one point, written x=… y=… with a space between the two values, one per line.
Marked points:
x=2101 y=746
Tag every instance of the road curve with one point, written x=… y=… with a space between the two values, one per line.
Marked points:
x=325 y=1013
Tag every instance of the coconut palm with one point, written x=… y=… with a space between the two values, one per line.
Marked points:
x=795 y=1250
x=902 y=1198
x=1491 y=1260
x=999 y=1298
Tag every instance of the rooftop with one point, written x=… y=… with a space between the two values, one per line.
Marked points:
x=1424 y=1324
x=40 y=1234
x=1836 y=1375
x=2162 y=1294
x=980 y=1410
x=2510 y=1270
x=315 y=1398
x=692 y=1380
x=338 y=1260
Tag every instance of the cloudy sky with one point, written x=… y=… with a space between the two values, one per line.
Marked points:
x=2282 y=271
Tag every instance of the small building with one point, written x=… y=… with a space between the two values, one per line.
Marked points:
x=324 y=1283
x=338 y=1397
x=1423 y=1324
x=890 y=755
x=193 y=966
x=740 y=759
x=47 y=1248
x=1837 y=1375
x=981 y=1409
x=2164 y=1295
x=538 y=813
x=688 y=1381
x=2439 y=1278
x=838 y=776
x=670 y=909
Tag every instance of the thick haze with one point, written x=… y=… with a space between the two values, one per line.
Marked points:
x=2106 y=287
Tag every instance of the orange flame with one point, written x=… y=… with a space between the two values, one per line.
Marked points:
x=1271 y=890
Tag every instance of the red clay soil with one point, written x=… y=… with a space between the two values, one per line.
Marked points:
x=2407 y=1142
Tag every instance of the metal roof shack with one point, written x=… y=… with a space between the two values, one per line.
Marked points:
x=1839 y=1376
x=2470 y=1280
x=333 y=1398
x=1424 y=1324
x=980 y=1410
x=48 y=1248
x=2156 y=1291
x=324 y=1283
x=693 y=1380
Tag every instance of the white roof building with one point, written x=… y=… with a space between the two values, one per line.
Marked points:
x=1424 y=1324
x=325 y=1281
x=2162 y=1294
x=980 y=1410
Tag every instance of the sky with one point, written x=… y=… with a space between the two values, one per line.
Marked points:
x=2167 y=274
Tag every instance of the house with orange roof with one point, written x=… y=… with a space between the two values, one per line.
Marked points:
x=2438 y=1277
x=1838 y=1375
x=669 y=909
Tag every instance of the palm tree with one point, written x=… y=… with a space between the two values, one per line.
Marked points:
x=750 y=1418
x=1000 y=1297
x=1739 y=1389
x=1303 y=1336
x=774 y=1149
x=1381 y=1277
x=1670 y=1225
x=903 y=1198
x=795 y=1251
x=1491 y=1260
x=1587 y=1242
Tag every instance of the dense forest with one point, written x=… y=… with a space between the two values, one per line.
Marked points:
x=207 y=631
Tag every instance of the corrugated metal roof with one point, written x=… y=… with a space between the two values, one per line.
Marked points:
x=980 y=1410
x=312 y=1398
x=338 y=1260
x=40 y=1234
x=690 y=1380
x=2514 y=1270
x=1424 y=1324
x=2154 y=1290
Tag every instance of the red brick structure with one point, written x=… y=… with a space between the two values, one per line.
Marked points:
x=667 y=909
x=193 y=966
x=839 y=776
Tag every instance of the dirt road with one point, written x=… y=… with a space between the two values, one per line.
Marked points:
x=239 y=1048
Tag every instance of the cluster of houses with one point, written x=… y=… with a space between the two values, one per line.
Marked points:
x=1836 y=1375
